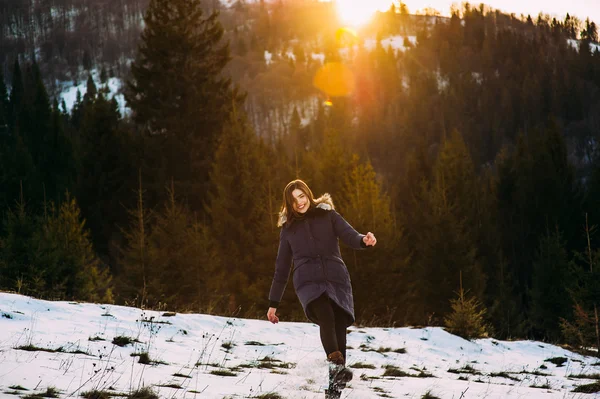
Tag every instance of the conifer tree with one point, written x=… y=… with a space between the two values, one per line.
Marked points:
x=136 y=260
x=16 y=99
x=442 y=235
x=367 y=208
x=240 y=217
x=4 y=109
x=583 y=328
x=549 y=296
x=72 y=269
x=181 y=270
x=18 y=250
x=104 y=168
x=467 y=317
x=178 y=93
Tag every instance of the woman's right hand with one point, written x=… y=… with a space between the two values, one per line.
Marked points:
x=272 y=316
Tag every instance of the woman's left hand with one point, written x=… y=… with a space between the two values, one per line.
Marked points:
x=370 y=239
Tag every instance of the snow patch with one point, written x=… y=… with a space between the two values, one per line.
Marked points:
x=190 y=350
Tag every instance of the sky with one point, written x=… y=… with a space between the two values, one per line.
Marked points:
x=357 y=10
x=190 y=354
x=579 y=8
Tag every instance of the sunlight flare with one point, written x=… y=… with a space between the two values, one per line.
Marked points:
x=357 y=13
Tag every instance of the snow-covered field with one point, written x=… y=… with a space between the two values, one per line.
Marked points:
x=195 y=355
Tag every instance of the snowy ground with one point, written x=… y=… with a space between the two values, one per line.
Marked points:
x=254 y=357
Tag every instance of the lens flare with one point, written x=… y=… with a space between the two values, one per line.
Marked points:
x=335 y=79
x=355 y=12
x=346 y=37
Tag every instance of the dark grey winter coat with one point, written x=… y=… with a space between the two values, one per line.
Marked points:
x=312 y=244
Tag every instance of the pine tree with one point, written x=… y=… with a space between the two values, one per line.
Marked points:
x=365 y=205
x=179 y=276
x=584 y=328
x=441 y=231
x=136 y=261
x=91 y=90
x=18 y=269
x=103 y=75
x=4 y=105
x=536 y=190
x=16 y=99
x=466 y=319
x=549 y=296
x=239 y=212
x=104 y=169
x=178 y=92
x=73 y=269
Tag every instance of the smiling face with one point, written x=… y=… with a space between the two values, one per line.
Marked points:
x=301 y=201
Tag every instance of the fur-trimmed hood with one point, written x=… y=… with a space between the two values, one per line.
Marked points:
x=324 y=202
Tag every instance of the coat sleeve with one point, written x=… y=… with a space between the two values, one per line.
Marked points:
x=282 y=270
x=345 y=232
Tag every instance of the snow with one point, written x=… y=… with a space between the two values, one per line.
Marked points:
x=298 y=371
x=114 y=85
x=268 y=57
x=575 y=43
x=318 y=56
x=397 y=42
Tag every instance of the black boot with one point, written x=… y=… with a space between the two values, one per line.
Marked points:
x=339 y=375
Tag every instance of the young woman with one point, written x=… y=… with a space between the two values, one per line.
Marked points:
x=309 y=237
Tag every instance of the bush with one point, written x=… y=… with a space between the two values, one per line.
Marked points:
x=466 y=319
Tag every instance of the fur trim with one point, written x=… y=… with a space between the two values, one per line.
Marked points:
x=324 y=202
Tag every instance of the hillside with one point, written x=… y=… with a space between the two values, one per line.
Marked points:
x=71 y=347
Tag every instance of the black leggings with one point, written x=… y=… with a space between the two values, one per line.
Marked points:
x=332 y=321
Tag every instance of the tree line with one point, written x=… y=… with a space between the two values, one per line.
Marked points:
x=472 y=152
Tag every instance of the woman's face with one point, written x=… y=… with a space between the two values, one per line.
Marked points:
x=301 y=202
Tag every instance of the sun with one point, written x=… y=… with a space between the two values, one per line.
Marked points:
x=356 y=13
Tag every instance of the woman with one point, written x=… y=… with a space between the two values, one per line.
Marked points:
x=309 y=237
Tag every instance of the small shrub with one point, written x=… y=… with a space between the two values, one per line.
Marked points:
x=96 y=338
x=33 y=348
x=123 y=340
x=466 y=319
x=535 y=372
x=51 y=392
x=504 y=374
x=96 y=395
x=360 y=365
x=227 y=345
x=393 y=371
x=270 y=395
x=558 y=361
x=174 y=386
x=144 y=358
x=588 y=388
x=429 y=395
x=543 y=386
x=6 y=316
x=143 y=393
x=587 y=376
x=223 y=373
x=254 y=343
x=467 y=369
